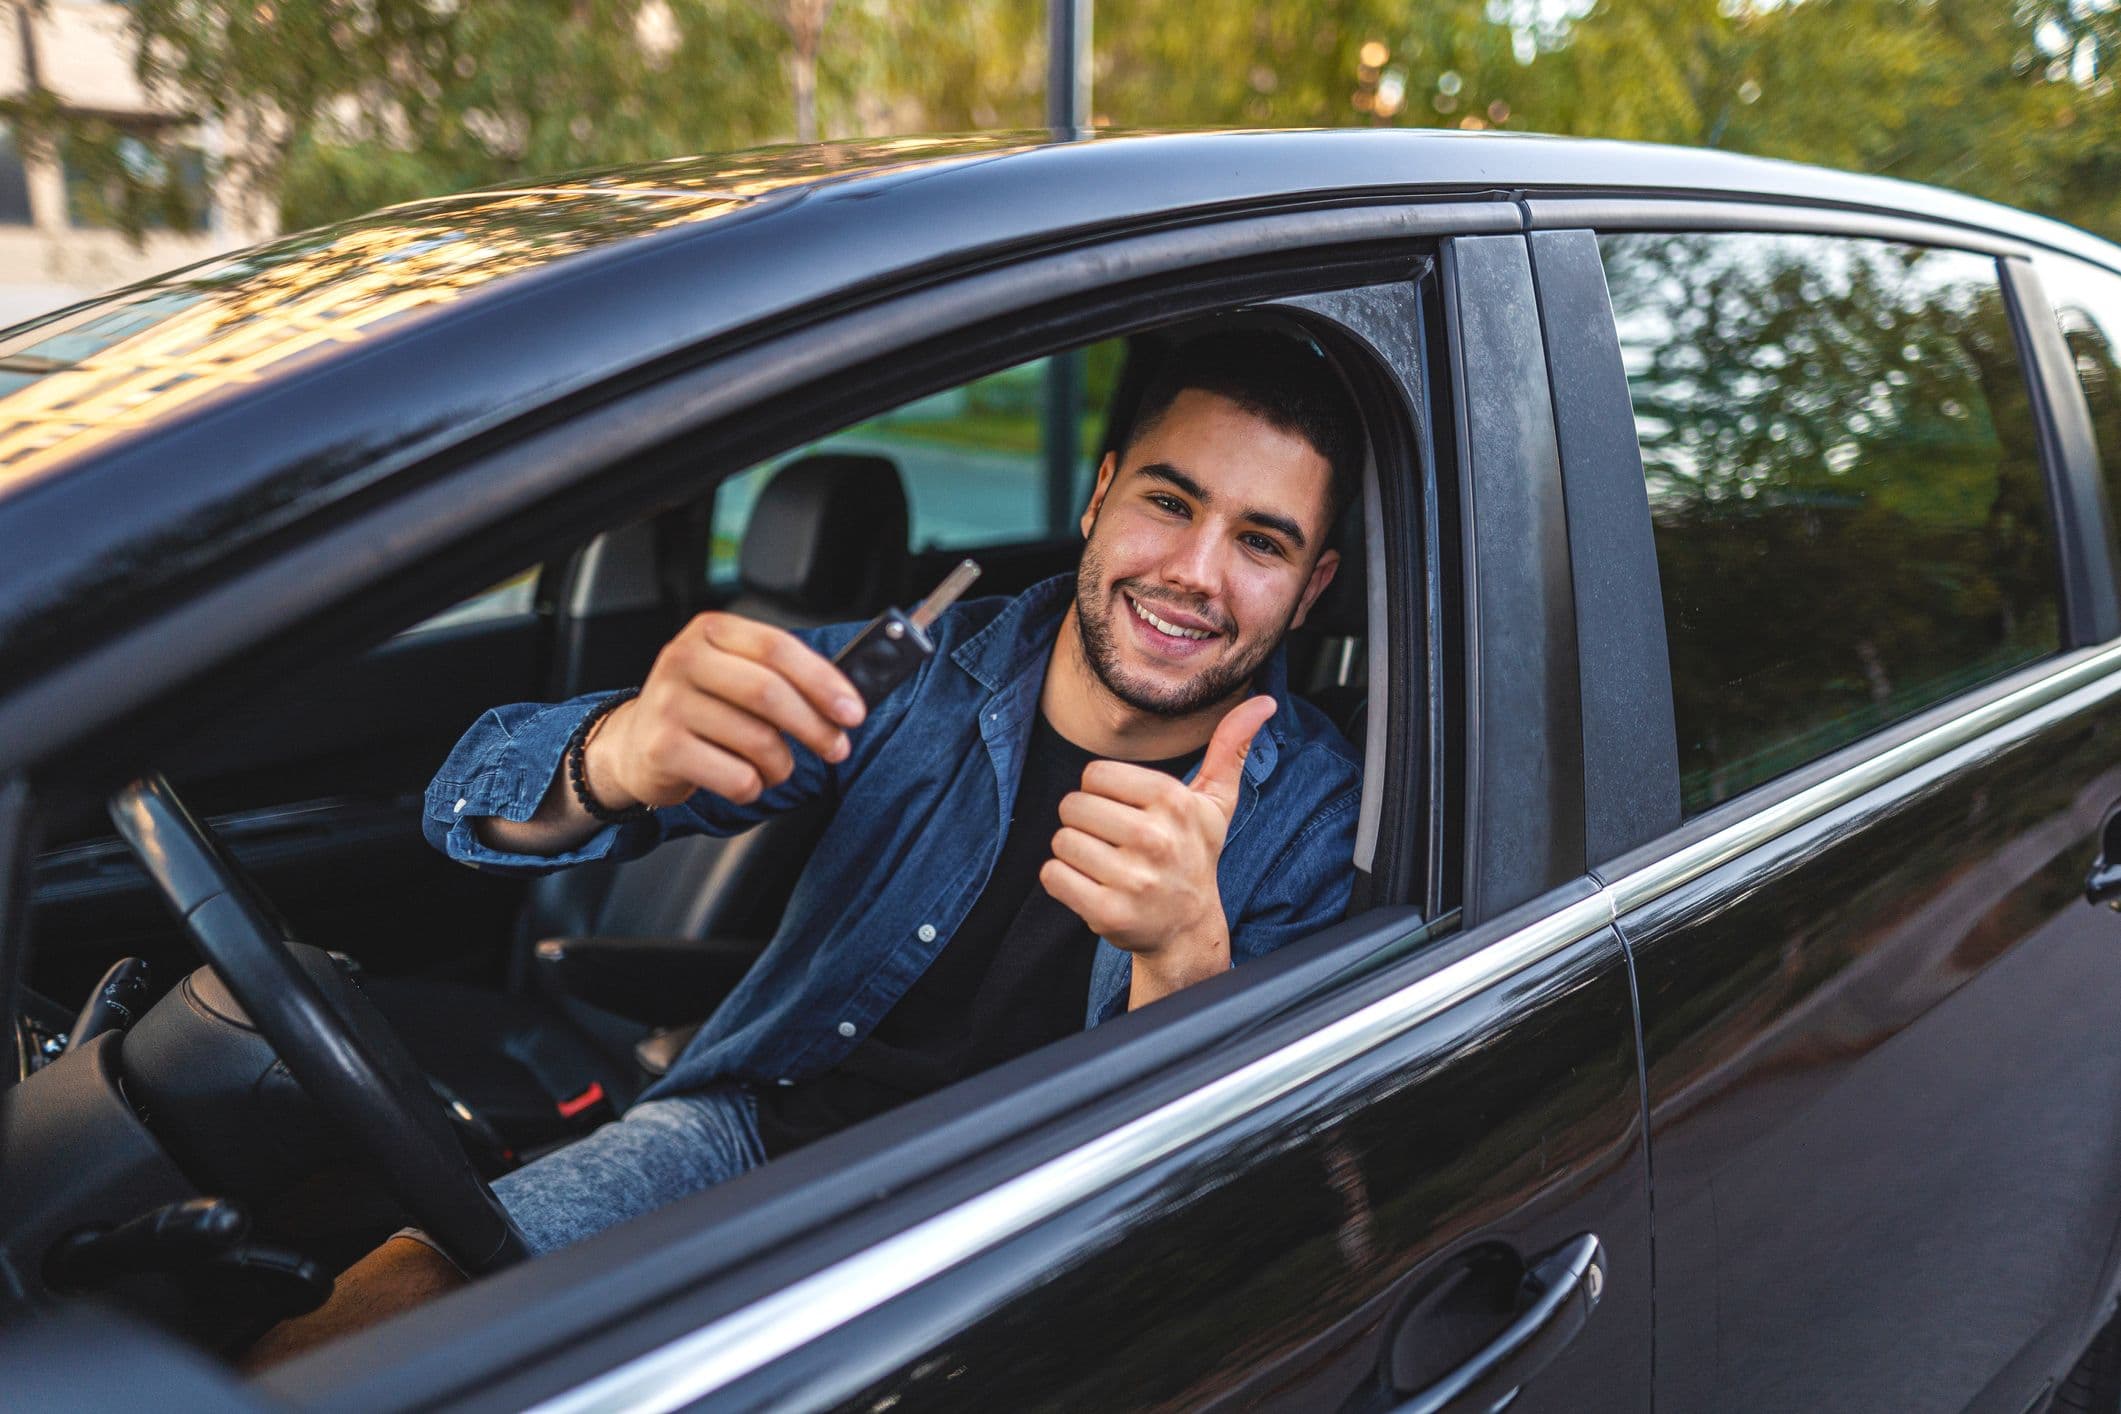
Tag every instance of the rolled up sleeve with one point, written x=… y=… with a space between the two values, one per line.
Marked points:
x=502 y=768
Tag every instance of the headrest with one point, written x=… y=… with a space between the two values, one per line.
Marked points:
x=1343 y=610
x=827 y=538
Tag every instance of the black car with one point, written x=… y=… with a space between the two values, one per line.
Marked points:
x=1724 y=1018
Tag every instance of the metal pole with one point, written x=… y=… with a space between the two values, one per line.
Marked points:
x=1068 y=67
x=1068 y=115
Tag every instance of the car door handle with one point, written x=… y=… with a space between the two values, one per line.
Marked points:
x=1560 y=1291
x=2103 y=884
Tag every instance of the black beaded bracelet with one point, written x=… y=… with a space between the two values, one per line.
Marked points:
x=577 y=764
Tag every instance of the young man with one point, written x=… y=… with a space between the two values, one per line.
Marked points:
x=1093 y=795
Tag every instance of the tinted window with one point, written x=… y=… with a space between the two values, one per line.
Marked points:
x=2088 y=302
x=973 y=461
x=514 y=597
x=1850 y=517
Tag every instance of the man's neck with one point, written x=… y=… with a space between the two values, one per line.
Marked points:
x=1081 y=708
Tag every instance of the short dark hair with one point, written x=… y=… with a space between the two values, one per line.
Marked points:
x=1285 y=380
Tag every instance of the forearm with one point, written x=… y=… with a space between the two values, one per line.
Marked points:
x=559 y=823
x=1179 y=965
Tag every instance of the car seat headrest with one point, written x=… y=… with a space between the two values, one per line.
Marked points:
x=1343 y=610
x=827 y=538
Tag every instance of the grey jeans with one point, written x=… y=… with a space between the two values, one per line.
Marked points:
x=657 y=1153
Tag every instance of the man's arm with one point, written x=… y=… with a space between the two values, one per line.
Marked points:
x=560 y=823
x=716 y=714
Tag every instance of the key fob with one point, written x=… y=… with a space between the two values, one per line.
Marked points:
x=894 y=643
x=884 y=654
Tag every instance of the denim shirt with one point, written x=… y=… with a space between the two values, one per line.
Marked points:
x=922 y=804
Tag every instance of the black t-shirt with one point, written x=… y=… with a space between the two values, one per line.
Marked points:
x=1014 y=976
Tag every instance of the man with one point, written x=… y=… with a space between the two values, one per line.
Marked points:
x=1093 y=795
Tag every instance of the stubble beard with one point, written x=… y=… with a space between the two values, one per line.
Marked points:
x=1094 y=607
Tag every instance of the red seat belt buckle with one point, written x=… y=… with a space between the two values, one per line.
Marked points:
x=588 y=1099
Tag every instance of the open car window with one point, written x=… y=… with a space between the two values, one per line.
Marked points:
x=1001 y=460
x=319 y=782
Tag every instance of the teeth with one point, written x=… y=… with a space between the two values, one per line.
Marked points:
x=1162 y=627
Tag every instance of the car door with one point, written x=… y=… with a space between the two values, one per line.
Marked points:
x=1392 y=1166
x=1882 y=1072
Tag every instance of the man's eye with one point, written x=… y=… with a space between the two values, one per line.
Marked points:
x=1262 y=544
x=1168 y=503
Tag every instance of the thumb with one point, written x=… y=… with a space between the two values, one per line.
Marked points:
x=1224 y=762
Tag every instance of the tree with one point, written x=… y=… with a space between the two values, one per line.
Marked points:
x=333 y=106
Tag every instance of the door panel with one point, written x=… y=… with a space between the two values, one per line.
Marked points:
x=1885 y=1090
x=1262 y=1268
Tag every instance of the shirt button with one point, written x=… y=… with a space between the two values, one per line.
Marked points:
x=784 y=1080
x=846 y=1028
x=926 y=933
x=461 y=803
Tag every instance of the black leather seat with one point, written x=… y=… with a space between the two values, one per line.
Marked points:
x=1329 y=659
x=826 y=543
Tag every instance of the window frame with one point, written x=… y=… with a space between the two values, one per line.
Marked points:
x=2091 y=611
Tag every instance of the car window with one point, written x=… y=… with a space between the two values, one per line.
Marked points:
x=1849 y=512
x=973 y=460
x=512 y=597
x=2088 y=302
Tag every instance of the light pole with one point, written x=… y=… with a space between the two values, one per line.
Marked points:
x=1068 y=67
x=1068 y=115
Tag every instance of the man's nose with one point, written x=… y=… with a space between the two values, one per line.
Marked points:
x=1196 y=565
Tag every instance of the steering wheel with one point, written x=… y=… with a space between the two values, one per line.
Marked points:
x=340 y=1049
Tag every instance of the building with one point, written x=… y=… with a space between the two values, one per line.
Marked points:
x=55 y=246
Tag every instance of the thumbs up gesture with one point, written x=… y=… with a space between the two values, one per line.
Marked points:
x=1136 y=856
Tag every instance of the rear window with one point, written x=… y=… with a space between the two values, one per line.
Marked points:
x=1850 y=517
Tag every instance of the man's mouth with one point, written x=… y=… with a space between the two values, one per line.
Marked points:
x=1172 y=628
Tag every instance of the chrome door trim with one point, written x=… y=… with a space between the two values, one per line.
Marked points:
x=724 y=1351
x=718 y=1354
x=2072 y=686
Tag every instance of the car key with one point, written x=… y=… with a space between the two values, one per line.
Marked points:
x=894 y=643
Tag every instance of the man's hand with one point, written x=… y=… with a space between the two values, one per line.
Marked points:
x=712 y=715
x=1137 y=853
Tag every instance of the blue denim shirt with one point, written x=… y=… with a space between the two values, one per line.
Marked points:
x=922 y=804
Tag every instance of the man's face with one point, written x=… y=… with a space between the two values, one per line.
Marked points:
x=1204 y=549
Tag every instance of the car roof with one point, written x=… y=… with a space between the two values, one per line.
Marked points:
x=162 y=426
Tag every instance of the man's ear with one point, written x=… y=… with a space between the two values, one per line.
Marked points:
x=1321 y=576
x=1106 y=470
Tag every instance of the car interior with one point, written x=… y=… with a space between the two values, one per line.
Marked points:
x=538 y=1009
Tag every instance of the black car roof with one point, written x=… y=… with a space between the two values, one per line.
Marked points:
x=180 y=417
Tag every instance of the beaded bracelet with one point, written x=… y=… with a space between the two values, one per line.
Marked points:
x=577 y=764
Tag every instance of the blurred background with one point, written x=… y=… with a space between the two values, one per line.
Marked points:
x=142 y=135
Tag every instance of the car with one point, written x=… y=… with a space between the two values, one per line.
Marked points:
x=1729 y=630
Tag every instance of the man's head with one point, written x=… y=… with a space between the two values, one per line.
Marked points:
x=1207 y=530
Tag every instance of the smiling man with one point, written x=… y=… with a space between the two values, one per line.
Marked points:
x=1093 y=795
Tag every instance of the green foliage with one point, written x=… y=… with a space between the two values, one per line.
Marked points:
x=1844 y=477
x=340 y=105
